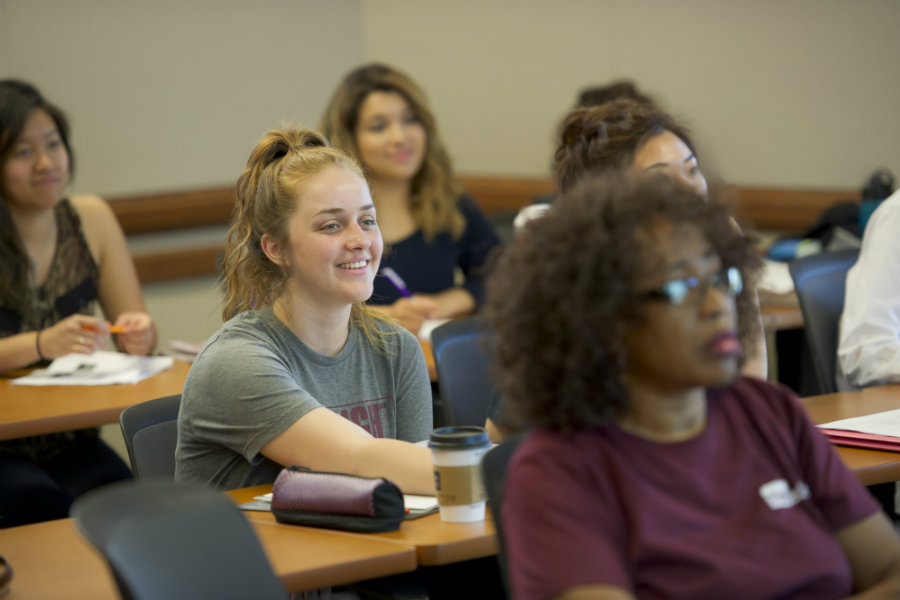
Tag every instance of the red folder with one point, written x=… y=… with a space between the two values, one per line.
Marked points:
x=857 y=439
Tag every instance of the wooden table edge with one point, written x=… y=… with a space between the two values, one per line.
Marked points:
x=72 y=422
x=403 y=560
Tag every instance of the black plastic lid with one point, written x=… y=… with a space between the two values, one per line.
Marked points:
x=459 y=438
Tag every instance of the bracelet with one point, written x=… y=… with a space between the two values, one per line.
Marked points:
x=37 y=345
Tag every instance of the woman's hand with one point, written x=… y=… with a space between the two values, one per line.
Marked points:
x=76 y=333
x=139 y=335
x=410 y=313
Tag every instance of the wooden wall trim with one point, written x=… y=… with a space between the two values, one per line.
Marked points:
x=177 y=264
x=182 y=210
x=782 y=210
x=789 y=211
x=505 y=194
x=772 y=209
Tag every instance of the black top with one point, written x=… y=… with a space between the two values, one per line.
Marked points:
x=428 y=268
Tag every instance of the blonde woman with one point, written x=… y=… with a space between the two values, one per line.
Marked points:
x=431 y=229
x=301 y=373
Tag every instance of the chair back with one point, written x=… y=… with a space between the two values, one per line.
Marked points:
x=150 y=430
x=820 y=282
x=461 y=360
x=493 y=469
x=163 y=539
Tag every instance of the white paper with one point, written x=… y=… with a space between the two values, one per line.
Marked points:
x=410 y=501
x=100 y=368
x=414 y=502
x=883 y=423
x=776 y=278
x=428 y=326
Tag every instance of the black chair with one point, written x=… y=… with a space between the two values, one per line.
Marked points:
x=177 y=541
x=820 y=282
x=150 y=430
x=461 y=360
x=493 y=469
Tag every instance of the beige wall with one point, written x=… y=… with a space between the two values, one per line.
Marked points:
x=169 y=95
x=779 y=92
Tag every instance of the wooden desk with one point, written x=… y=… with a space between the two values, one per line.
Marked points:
x=429 y=359
x=780 y=311
x=51 y=560
x=439 y=543
x=871 y=466
x=435 y=542
x=32 y=410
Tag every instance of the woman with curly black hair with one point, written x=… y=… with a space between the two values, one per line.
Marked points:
x=653 y=469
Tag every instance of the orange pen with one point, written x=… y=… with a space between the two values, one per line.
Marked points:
x=112 y=328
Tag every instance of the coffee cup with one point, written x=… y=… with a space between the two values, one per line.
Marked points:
x=456 y=454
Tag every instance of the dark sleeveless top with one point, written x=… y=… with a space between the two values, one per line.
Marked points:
x=70 y=287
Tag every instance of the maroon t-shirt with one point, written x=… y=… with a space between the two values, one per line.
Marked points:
x=747 y=509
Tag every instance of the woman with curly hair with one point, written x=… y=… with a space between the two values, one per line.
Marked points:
x=431 y=228
x=623 y=136
x=301 y=373
x=653 y=470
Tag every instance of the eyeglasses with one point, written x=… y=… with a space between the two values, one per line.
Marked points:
x=727 y=280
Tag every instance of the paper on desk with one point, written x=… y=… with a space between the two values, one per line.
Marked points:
x=884 y=423
x=415 y=505
x=100 y=368
x=428 y=326
x=775 y=278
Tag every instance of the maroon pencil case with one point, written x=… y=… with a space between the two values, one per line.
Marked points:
x=337 y=501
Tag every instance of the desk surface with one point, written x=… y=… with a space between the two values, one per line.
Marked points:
x=435 y=542
x=780 y=311
x=871 y=466
x=32 y=410
x=51 y=560
x=429 y=359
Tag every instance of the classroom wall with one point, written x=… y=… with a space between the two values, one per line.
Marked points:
x=799 y=93
x=170 y=95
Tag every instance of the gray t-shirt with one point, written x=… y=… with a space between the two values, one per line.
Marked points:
x=255 y=378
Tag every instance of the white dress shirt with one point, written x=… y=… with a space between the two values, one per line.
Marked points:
x=869 y=342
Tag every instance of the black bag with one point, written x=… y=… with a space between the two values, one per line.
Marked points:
x=337 y=501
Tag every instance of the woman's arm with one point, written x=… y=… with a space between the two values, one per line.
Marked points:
x=452 y=303
x=477 y=244
x=873 y=551
x=119 y=288
x=323 y=440
x=757 y=364
x=76 y=333
x=409 y=313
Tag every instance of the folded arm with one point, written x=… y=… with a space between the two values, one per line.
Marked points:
x=323 y=440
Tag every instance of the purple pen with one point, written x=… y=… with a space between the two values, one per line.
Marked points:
x=396 y=281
